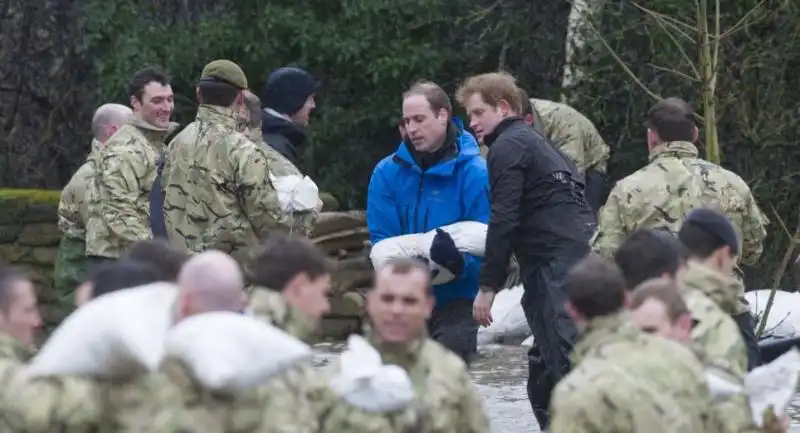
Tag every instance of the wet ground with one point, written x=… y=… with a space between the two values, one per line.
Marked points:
x=499 y=373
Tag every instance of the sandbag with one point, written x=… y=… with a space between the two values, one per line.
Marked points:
x=116 y=335
x=228 y=351
x=296 y=193
x=469 y=237
x=784 y=315
x=366 y=383
x=509 y=318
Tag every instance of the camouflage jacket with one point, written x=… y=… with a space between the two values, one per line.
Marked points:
x=217 y=189
x=624 y=380
x=711 y=298
x=270 y=306
x=278 y=406
x=73 y=207
x=573 y=134
x=11 y=350
x=119 y=205
x=661 y=194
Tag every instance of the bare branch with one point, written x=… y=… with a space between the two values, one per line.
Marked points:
x=675 y=72
x=743 y=21
x=683 y=52
x=677 y=25
x=717 y=43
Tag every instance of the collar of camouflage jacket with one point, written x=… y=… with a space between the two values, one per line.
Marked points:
x=674 y=149
x=11 y=349
x=95 y=146
x=405 y=355
x=154 y=135
x=721 y=289
x=271 y=306
x=227 y=117
x=601 y=331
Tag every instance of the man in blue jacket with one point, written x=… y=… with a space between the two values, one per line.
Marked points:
x=435 y=178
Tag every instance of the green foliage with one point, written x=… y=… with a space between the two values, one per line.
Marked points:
x=365 y=52
x=757 y=97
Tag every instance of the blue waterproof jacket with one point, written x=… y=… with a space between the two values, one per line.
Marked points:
x=402 y=199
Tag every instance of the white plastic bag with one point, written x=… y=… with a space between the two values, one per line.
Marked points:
x=509 y=318
x=773 y=385
x=364 y=382
x=295 y=193
x=469 y=237
x=116 y=335
x=228 y=351
x=784 y=315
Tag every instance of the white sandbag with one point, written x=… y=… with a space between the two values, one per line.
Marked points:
x=116 y=335
x=295 y=193
x=528 y=342
x=469 y=237
x=784 y=315
x=509 y=318
x=228 y=351
x=366 y=383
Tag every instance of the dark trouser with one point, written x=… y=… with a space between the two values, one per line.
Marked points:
x=454 y=327
x=95 y=263
x=747 y=328
x=554 y=332
x=595 y=181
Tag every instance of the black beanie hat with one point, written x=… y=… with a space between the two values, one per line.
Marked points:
x=287 y=89
x=717 y=223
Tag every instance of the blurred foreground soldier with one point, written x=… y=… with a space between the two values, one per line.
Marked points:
x=19 y=315
x=398 y=306
x=73 y=207
x=658 y=308
x=217 y=188
x=278 y=165
x=624 y=380
x=676 y=181
x=433 y=179
x=119 y=206
x=291 y=279
x=708 y=287
x=158 y=253
x=540 y=214
x=574 y=135
x=110 y=277
x=288 y=96
x=648 y=254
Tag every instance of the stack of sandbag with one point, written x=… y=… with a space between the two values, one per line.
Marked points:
x=509 y=324
x=231 y=352
x=469 y=237
x=345 y=238
x=118 y=335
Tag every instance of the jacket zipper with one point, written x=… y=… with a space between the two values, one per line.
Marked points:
x=419 y=199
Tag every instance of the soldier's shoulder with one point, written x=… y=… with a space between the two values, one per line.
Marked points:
x=587 y=382
x=436 y=355
x=638 y=180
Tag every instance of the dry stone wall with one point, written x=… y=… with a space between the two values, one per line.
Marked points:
x=29 y=238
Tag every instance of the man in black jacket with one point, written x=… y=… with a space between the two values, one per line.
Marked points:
x=288 y=96
x=539 y=212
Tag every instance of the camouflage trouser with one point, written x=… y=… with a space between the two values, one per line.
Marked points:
x=70 y=269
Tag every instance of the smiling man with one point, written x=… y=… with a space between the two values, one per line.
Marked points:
x=435 y=178
x=127 y=168
x=540 y=214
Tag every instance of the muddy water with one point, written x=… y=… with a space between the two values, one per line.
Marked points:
x=500 y=372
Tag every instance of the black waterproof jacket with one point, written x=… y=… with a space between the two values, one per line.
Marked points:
x=284 y=136
x=539 y=208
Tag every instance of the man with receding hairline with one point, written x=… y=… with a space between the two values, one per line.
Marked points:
x=210 y=281
x=436 y=177
x=539 y=214
x=73 y=206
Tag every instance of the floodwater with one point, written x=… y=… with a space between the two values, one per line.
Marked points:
x=500 y=372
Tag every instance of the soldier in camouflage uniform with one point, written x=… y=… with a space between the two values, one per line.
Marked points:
x=447 y=401
x=119 y=211
x=676 y=181
x=73 y=208
x=658 y=308
x=291 y=279
x=19 y=315
x=623 y=379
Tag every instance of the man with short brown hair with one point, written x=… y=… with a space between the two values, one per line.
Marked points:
x=435 y=178
x=540 y=214
x=19 y=314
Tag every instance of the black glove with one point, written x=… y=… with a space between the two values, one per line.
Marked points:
x=445 y=254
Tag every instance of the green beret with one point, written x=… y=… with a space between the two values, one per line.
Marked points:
x=227 y=71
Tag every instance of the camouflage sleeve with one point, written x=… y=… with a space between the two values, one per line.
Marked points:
x=289 y=408
x=572 y=411
x=119 y=175
x=595 y=148
x=753 y=232
x=611 y=229
x=571 y=144
x=473 y=417
x=47 y=405
x=69 y=210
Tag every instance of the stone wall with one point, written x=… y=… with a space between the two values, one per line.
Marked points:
x=29 y=239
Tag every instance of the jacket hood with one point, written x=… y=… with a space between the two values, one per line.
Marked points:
x=464 y=149
x=273 y=123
